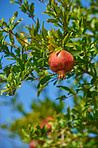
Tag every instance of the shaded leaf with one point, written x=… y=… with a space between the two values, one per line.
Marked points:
x=66 y=89
x=63 y=97
x=31 y=9
x=40 y=89
x=37 y=26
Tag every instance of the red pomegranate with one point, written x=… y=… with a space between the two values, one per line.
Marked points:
x=33 y=144
x=61 y=63
x=46 y=123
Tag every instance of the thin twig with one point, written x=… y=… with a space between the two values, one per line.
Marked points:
x=41 y=1
x=29 y=14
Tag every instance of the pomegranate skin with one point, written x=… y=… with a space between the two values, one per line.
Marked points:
x=46 y=123
x=61 y=63
x=33 y=144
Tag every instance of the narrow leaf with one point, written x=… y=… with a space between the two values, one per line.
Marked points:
x=66 y=38
x=31 y=9
x=3 y=76
x=66 y=89
x=40 y=89
x=36 y=27
x=17 y=22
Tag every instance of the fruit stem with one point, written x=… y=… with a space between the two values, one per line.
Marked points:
x=61 y=74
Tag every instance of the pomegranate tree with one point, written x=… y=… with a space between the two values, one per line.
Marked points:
x=61 y=63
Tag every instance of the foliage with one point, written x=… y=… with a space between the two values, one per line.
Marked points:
x=76 y=31
x=29 y=119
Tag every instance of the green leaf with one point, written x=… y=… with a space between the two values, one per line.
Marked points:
x=31 y=9
x=18 y=52
x=5 y=89
x=63 y=97
x=3 y=76
x=62 y=2
x=66 y=89
x=52 y=41
x=21 y=39
x=26 y=5
x=11 y=20
x=12 y=1
x=44 y=32
x=69 y=45
x=21 y=64
x=74 y=16
x=17 y=22
x=5 y=24
x=50 y=13
x=68 y=113
x=52 y=20
x=78 y=47
x=40 y=89
x=11 y=38
x=58 y=49
x=23 y=8
x=37 y=26
x=66 y=38
x=45 y=79
x=16 y=69
x=59 y=34
x=2 y=20
x=25 y=134
x=96 y=25
x=15 y=15
x=75 y=53
x=23 y=33
x=10 y=79
x=75 y=111
x=4 y=126
x=89 y=115
x=1 y=61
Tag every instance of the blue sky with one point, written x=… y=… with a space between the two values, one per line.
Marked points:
x=27 y=92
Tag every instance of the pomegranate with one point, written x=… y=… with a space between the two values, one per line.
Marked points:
x=61 y=63
x=45 y=123
x=33 y=144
